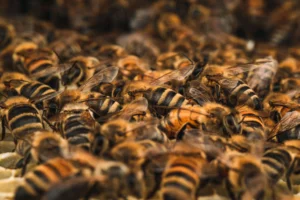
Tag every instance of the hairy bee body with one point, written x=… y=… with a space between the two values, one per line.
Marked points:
x=76 y=125
x=7 y=32
x=21 y=117
x=38 y=181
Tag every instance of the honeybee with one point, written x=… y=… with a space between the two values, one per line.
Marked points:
x=98 y=103
x=252 y=125
x=287 y=128
x=130 y=66
x=153 y=91
x=180 y=179
x=133 y=153
x=210 y=117
x=20 y=116
x=76 y=124
x=265 y=69
x=288 y=84
x=237 y=92
x=110 y=51
x=83 y=68
x=38 y=181
x=7 y=34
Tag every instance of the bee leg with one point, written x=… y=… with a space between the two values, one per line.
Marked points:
x=229 y=190
x=26 y=160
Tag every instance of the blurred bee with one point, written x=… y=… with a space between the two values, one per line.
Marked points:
x=265 y=69
x=287 y=128
x=180 y=179
x=76 y=124
x=288 y=84
x=8 y=33
x=110 y=51
x=171 y=60
x=252 y=125
x=20 y=116
x=130 y=66
x=276 y=105
x=108 y=180
x=236 y=92
x=38 y=181
x=210 y=117
x=37 y=62
x=133 y=153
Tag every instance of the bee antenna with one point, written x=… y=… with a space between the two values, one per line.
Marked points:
x=183 y=54
x=59 y=58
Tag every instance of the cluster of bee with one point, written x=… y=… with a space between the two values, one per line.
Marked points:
x=180 y=108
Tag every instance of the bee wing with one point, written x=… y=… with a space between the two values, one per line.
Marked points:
x=289 y=121
x=137 y=106
x=201 y=96
x=179 y=74
x=14 y=82
x=105 y=75
x=60 y=68
x=239 y=69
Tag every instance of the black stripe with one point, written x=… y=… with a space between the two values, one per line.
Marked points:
x=178 y=186
x=36 y=188
x=41 y=67
x=53 y=169
x=156 y=95
x=24 y=120
x=279 y=168
x=183 y=165
x=72 y=123
x=281 y=156
x=41 y=176
x=77 y=131
x=182 y=175
x=43 y=90
x=28 y=89
x=179 y=101
x=169 y=97
x=19 y=109
x=234 y=96
x=80 y=139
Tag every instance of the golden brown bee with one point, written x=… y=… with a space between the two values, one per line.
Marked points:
x=111 y=51
x=20 y=116
x=38 y=181
x=252 y=125
x=83 y=68
x=130 y=66
x=76 y=124
x=210 y=117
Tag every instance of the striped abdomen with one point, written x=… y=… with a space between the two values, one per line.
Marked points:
x=102 y=105
x=177 y=118
x=38 y=181
x=161 y=96
x=276 y=162
x=181 y=179
x=291 y=134
x=23 y=119
x=236 y=96
x=76 y=131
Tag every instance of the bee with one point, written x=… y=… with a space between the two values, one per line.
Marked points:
x=277 y=105
x=8 y=33
x=266 y=69
x=98 y=103
x=237 y=92
x=29 y=89
x=211 y=117
x=130 y=66
x=287 y=128
x=252 y=125
x=83 y=68
x=171 y=60
x=156 y=94
x=37 y=62
x=180 y=179
x=76 y=124
x=289 y=84
x=133 y=153
x=20 y=116
x=38 y=181
x=110 y=51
